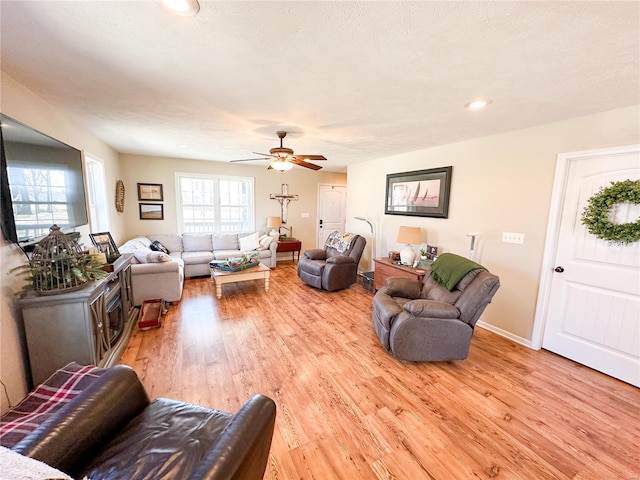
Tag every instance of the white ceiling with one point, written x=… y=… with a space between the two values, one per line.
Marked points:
x=353 y=81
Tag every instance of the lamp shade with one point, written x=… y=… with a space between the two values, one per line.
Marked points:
x=409 y=235
x=274 y=222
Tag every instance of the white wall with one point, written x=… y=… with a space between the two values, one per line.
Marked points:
x=301 y=182
x=499 y=183
x=24 y=106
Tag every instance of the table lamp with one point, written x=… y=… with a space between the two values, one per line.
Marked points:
x=274 y=223
x=409 y=236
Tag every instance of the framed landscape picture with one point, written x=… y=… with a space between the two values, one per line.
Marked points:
x=151 y=211
x=422 y=193
x=150 y=191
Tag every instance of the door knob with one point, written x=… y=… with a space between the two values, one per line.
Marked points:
x=559 y=269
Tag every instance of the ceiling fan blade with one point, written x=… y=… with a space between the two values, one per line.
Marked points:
x=248 y=159
x=263 y=154
x=310 y=157
x=302 y=163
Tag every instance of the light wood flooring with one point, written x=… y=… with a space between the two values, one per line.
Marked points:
x=348 y=410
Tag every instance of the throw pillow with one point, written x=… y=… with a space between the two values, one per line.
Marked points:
x=156 y=246
x=403 y=287
x=151 y=257
x=265 y=242
x=250 y=242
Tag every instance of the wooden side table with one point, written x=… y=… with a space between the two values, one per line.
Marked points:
x=385 y=267
x=292 y=246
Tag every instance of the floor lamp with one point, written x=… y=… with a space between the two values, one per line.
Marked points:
x=373 y=238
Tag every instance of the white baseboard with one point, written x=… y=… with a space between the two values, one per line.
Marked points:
x=504 y=333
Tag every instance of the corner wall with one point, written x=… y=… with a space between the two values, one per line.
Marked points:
x=500 y=183
x=24 y=106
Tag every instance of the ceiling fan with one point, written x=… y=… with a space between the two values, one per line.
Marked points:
x=282 y=158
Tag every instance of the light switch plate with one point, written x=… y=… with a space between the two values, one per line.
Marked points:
x=511 y=237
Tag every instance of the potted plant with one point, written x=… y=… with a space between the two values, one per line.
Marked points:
x=58 y=265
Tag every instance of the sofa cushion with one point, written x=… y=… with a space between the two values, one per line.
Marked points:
x=149 y=256
x=432 y=290
x=265 y=242
x=196 y=258
x=165 y=441
x=172 y=241
x=197 y=242
x=249 y=243
x=130 y=246
x=224 y=254
x=225 y=241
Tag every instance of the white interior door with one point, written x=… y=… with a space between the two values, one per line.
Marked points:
x=593 y=314
x=332 y=211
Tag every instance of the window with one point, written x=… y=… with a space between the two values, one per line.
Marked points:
x=210 y=203
x=97 y=196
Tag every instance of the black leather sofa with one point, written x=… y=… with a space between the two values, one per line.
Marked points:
x=112 y=431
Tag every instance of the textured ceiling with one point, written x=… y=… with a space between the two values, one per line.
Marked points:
x=353 y=81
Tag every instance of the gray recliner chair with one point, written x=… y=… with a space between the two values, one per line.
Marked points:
x=429 y=321
x=332 y=268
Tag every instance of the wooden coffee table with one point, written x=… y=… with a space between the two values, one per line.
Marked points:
x=220 y=277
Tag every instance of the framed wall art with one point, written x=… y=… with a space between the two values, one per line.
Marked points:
x=103 y=242
x=150 y=192
x=422 y=193
x=151 y=211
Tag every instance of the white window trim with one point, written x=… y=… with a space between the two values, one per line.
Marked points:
x=103 y=221
x=179 y=175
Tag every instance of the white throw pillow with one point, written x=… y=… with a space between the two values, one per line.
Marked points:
x=150 y=256
x=250 y=242
x=265 y=242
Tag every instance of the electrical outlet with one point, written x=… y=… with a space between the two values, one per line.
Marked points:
x=305 y=215
x=510 y=237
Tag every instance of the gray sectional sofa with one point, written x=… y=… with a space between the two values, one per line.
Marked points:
x=156 y=274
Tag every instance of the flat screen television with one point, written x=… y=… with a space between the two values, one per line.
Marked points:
x=42 y=183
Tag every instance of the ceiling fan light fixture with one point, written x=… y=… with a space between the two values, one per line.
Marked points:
x=281 y=165
x=186 y=8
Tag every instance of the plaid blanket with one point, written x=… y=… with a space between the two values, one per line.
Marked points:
x=340 y=241
x=64 y=385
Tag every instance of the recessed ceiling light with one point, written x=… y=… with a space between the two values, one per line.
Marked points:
x=478 y=103
x=181 y=145
x=182 y=7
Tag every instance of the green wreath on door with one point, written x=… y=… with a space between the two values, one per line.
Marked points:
x=596 y=215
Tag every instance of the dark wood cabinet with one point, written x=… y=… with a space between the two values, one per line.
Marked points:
x=385 y=267
x=292 y=246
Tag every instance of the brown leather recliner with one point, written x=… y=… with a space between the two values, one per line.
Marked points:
x=425 y=321
x=112 y=431
x=330 y=269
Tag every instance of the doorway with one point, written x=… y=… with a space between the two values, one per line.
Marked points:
x=589 y=301
x=332 y=211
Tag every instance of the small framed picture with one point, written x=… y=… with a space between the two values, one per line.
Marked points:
x=103 y=242
x=151 y=211
x=150 y=191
